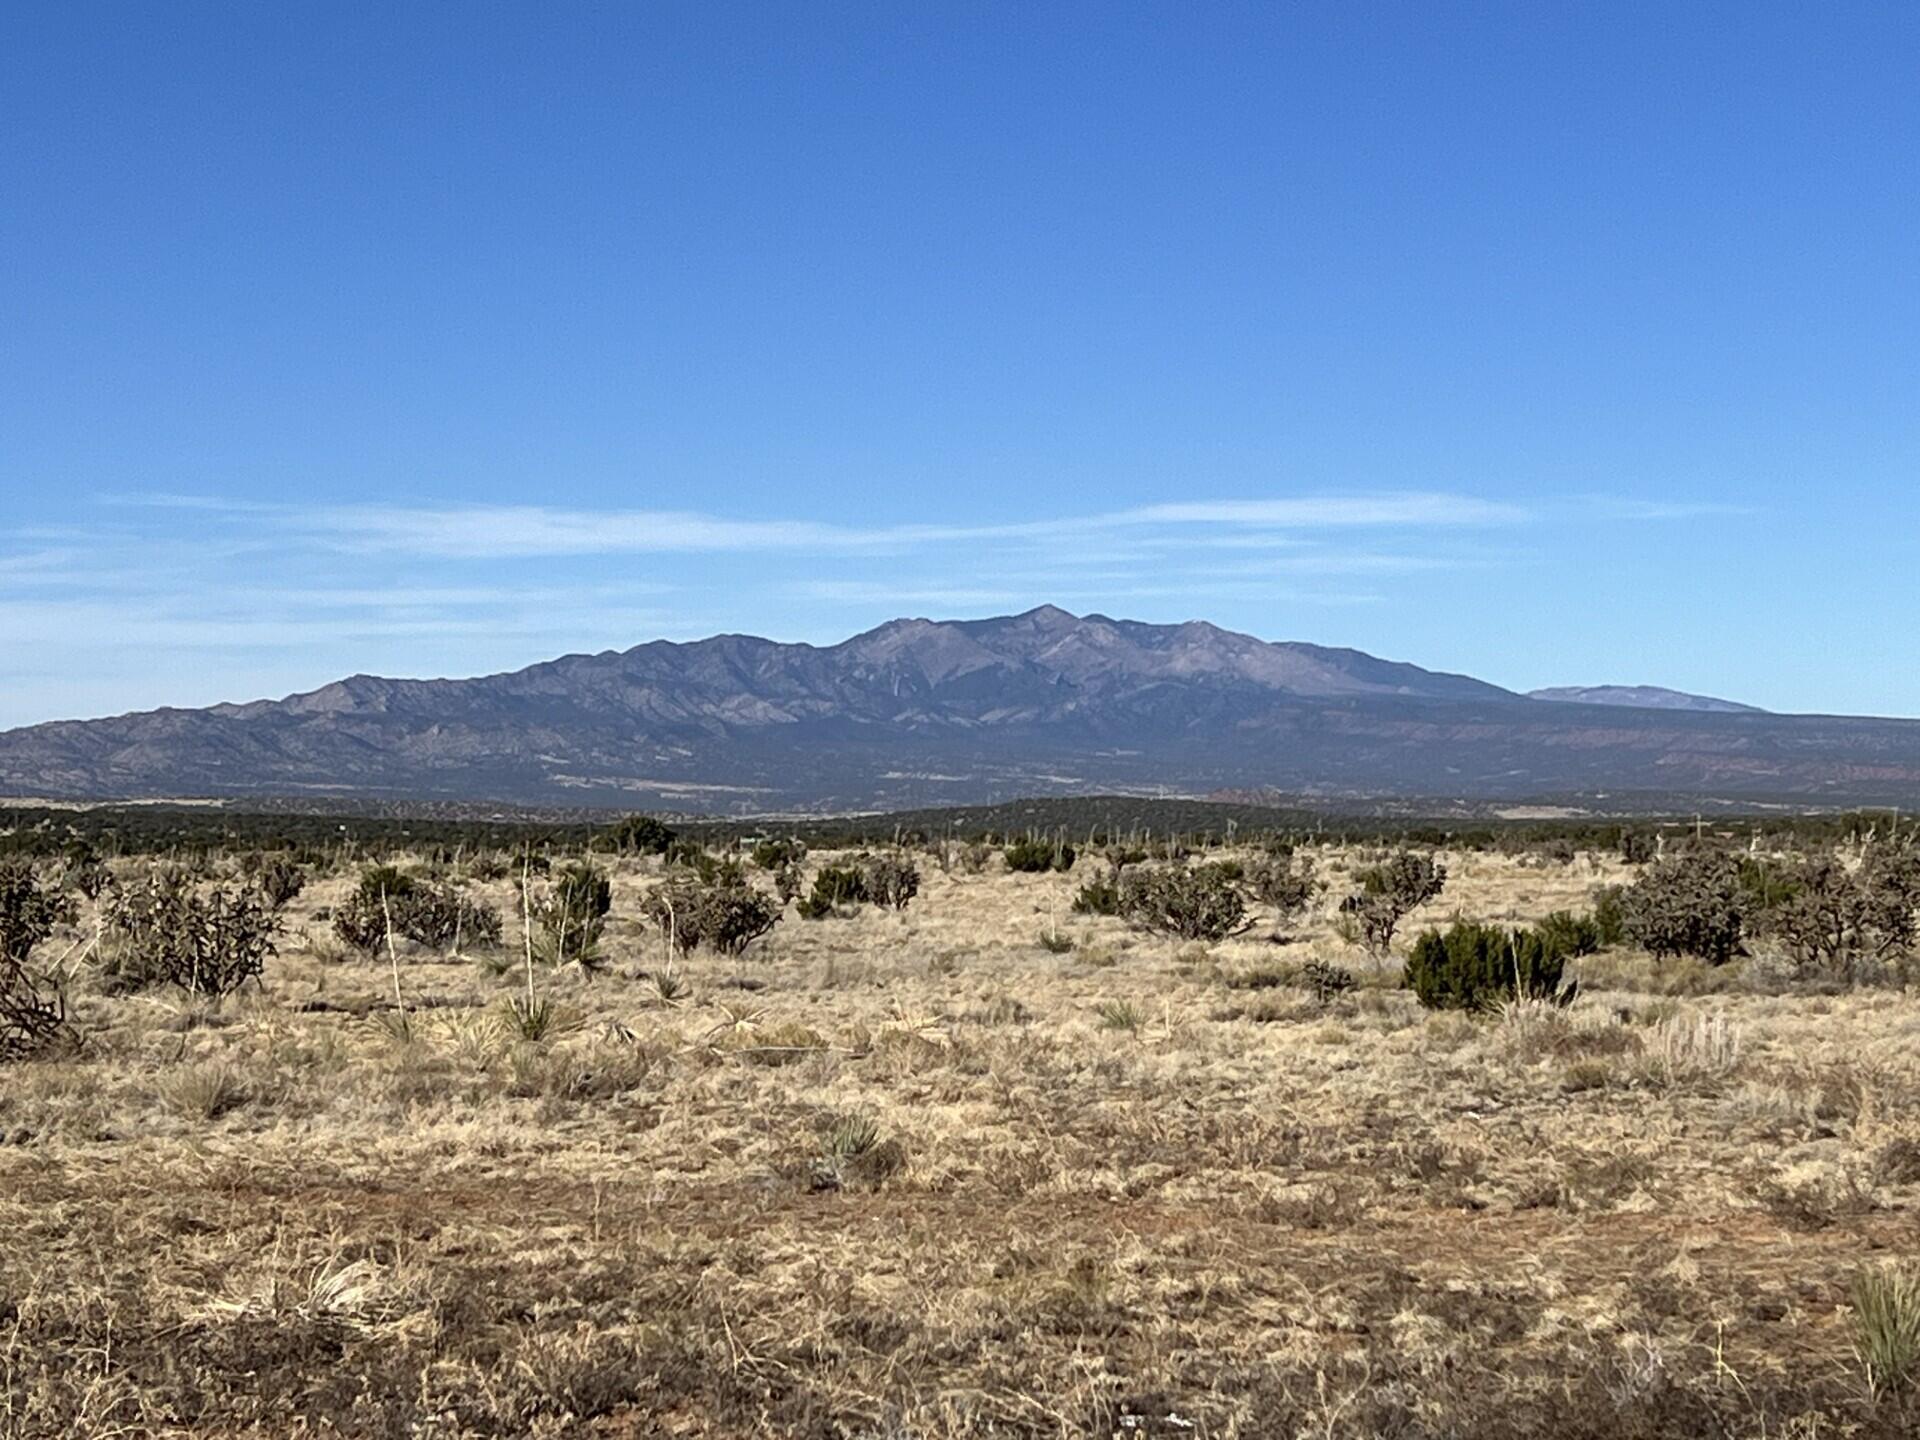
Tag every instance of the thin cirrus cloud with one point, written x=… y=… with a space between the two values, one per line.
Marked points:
x=508 y=531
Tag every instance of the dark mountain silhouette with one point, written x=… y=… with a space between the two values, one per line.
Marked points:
x=922 y=712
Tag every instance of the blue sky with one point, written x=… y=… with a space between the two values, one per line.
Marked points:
x=1553 y=344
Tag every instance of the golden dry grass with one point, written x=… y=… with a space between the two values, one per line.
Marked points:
x=916 y=1175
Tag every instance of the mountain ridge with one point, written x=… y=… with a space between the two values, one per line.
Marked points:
x=926 y=711
x=1646 y=697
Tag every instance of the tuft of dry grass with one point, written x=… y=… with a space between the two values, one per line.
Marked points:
x=1886 y=1326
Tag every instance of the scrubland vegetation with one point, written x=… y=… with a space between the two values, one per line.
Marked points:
x=1030 y=1134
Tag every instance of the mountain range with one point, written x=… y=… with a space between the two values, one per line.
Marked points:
x=919 y=712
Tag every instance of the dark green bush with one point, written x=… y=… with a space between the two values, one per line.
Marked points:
x=1889 y=878
x=777 y=855
x=1637 y=847
x=1570 y=935
x=1830 y=917
x=87 y=874
x=363 y=918
x=640 y=835
x=1472 y=967
x=1099 y=897
x=488 y=865
x=1035 y=856
x=835 y=888
x=1610 y=915
x=688 y=853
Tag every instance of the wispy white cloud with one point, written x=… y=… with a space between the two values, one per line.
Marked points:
x=878 y=592
x=1402 y=510
x=95 y=625
x=1625 y=507
x=531 y=531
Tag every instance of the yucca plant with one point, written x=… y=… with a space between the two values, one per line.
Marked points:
x=203 y=1092
x=851 y=1151
x=475 y=1037
x=398 y=1026
x=851 y=1136
x=1122 y=1015
x=536 y=1017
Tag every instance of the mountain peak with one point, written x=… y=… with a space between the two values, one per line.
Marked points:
x=920 y=711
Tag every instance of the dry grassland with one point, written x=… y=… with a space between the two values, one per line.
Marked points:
x=914 y=1175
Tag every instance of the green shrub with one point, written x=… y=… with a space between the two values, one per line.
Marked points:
x=1637 y=847
x=488 y=865
x=570 y=918
x=279 y=881
x=1889 y=878
x=33 y=1013
x=440 y=917
x=29 y=911
x=1388 y=893
x=1473 y=967
x=835 y=888
x=1324 y=981
x=427 y=912
x=1035 y=856
x=724 y=917
x=1830 y=917
x=891 y=880
x=1570 y=935
x=208 y=943
x=1099 y=897
x=1610 y=915
x=1198 y=903
x=1284 y=883
x=777 y=855
x=388 y=880
x=87 y=874
x=640 y=835
x=689 y=853
x=1687 y=905
x=360 y=922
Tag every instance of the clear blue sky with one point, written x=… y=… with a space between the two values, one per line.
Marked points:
x=1552 y=343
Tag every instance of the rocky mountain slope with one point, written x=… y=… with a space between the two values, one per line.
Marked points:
x=924 y=712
